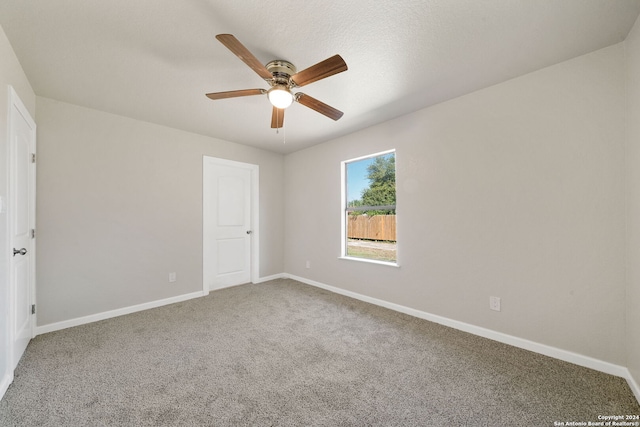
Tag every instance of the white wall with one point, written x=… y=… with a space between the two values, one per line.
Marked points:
x=514 y=191
x=120 y=206
x=632 y=49
x=11 y=73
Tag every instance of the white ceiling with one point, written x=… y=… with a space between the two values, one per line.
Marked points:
x=154 y=60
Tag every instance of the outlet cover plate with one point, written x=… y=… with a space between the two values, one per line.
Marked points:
x=494 y=303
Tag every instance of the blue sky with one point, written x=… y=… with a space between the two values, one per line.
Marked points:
x=357 y=178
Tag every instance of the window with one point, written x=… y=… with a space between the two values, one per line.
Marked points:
x=369 y=208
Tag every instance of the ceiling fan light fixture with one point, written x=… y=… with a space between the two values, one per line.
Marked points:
x=280 y=96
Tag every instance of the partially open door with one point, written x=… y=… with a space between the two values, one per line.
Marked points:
x=21 y=210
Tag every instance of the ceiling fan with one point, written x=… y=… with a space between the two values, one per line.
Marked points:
x=282 y=76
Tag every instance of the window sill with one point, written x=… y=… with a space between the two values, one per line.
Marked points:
x=370 y=261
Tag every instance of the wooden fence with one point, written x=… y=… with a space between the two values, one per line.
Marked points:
x=377 y=227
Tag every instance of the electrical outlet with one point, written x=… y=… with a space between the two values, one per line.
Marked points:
x=494 y=303
x=308 y=264
x=172 y=277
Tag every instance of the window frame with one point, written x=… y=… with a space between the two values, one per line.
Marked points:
x=344 y=209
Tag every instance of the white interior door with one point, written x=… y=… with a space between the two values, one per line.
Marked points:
x=22 y=145
x=228 y=222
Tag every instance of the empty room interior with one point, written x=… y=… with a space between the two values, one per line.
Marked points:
x=157 y=205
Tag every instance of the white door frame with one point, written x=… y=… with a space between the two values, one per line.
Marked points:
x=17 y=107
x=207 y=224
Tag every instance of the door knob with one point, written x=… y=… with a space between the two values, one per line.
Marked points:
x=22 y=251
x=249 y=231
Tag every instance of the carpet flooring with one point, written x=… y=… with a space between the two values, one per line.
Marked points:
x=283 y=353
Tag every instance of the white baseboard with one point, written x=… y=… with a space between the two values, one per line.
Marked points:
x=5 y=383
x=132 y=309
x=114 y=313
x=633 y=385
x=567 y=356
x=272 y=277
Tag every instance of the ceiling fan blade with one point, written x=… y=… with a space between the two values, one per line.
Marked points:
x=321 y=70
x=234 y=45
x=319 y=106
x=277 y=118
x=235 y=93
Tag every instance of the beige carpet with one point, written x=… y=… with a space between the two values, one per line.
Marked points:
x=286 y=354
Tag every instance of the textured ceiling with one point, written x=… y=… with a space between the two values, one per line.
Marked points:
x=154 y=60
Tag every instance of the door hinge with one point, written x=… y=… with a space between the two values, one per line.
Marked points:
x=33 y=309
x=33 y=157
x=33 y=233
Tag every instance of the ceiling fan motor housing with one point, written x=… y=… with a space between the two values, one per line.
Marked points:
x=281 y=71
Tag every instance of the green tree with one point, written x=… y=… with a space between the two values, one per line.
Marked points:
x=382 y=184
